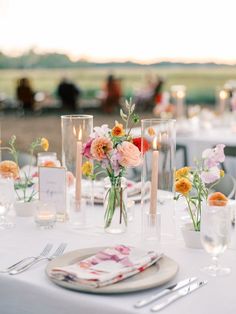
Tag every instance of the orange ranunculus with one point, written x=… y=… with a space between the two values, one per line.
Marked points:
x=8 y=168
x=217 y=199
x=182 y=173
x=49 y=163
x=118 y=130
x=183 y=186
x=100 y=147
x=44 y=143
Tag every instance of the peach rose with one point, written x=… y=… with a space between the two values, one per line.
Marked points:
x=130 y=155
x=8 y=167
x=100 y=147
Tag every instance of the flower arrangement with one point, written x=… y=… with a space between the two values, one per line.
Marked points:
x=23 y=180
x=195 y=184
x=114 y=150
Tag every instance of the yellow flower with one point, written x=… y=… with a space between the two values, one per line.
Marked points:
x=183 y=186
x=87 y=168
x=44 y=143
x=118 y=130
x=182 y=173
x=222 y=173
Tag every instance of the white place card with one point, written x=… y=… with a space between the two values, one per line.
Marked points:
x=52 y=187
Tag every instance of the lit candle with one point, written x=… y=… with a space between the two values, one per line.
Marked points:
x=78 y=167
x=45 y=216
x=154 y=180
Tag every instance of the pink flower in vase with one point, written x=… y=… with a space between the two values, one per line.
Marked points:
x=130 y=155
x=115 y=159
x=87 y=149
x=211 y=175
x=212 y=157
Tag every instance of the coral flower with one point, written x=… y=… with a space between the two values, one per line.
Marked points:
x=182 y=173
x=217 y=199
x=100 y=147
x=87 y=168
x=138 y=142
x=183 y=186
x=118 y=130
x=50 y=163
x=130 y=155
x=8 y=168
x=45 y=144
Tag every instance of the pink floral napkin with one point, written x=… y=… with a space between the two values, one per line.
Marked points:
x=107 y=267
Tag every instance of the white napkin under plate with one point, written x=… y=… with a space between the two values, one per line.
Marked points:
x=107 y=266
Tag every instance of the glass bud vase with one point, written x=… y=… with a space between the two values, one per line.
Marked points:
x=115 y=200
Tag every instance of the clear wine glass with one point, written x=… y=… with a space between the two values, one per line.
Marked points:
x=6 y=200
x=215 y=234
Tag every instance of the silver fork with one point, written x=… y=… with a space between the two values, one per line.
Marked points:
x=59 y=251
x=44 y=252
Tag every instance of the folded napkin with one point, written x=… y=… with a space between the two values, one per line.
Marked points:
x=107 y=266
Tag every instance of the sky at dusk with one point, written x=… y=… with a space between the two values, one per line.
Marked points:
x=108 y=30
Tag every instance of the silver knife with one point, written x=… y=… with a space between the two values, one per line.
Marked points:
x=166 y=291
x=179 y=294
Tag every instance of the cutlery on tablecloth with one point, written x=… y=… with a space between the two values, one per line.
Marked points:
x=164 y=292
x=59 y=251
x=179 y=294
x=44 y=252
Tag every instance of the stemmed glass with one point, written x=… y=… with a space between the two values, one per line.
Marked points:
x=215 y=234
x=6 y=200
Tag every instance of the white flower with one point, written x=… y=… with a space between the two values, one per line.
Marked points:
x=101 y=131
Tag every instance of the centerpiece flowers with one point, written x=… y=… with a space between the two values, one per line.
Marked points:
x=114 y=150
x=23 y=180
x=195 y=184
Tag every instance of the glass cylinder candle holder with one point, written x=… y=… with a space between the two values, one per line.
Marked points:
x=76 y=130
x=158 y=167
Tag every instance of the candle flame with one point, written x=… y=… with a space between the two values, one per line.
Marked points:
x=80 y=135
x=74 y=130
x=180 y=94
x=154 y=143
x=223 y=94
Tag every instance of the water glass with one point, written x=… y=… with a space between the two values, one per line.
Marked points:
x=6 y=200
x=215 y=234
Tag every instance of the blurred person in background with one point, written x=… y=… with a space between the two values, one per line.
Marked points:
x=69 y=95
x=112 y=94
x=25 y=94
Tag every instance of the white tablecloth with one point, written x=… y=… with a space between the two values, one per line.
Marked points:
x=33 y=293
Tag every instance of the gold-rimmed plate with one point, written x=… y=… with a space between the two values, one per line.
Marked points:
x=156 y=275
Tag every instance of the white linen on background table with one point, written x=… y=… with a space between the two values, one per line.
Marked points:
x=33 y=293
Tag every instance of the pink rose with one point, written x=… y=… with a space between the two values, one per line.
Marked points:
x=130 y=155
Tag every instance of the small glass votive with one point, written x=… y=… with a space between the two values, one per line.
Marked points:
x=152 y=231
x=45 y=215
x=48 y=159
x=77 y=214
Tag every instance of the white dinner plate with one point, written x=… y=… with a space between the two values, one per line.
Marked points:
x=163 y=271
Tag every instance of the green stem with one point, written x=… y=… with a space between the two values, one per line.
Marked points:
x=191 y=214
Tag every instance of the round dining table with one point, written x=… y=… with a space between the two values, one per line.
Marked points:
x=32 y=292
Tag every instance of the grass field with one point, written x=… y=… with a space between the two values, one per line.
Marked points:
x=201 y=82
